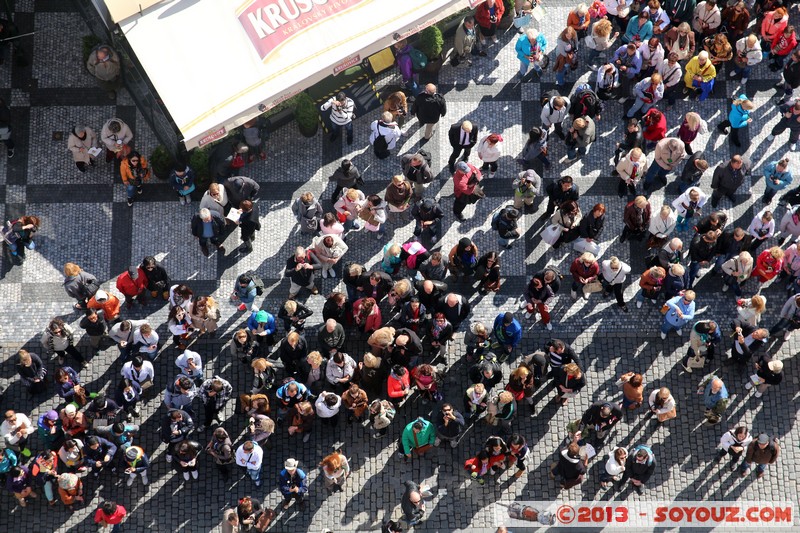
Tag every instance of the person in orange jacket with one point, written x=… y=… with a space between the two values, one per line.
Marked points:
x=132 y=284
x=107 y=303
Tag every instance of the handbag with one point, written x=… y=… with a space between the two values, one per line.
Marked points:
x=669 y=415
x=592 y=287
x=697 y=362
x=237 y=161
x=538 y=13
x=551 y=234
x=582 y=245
x=656 y=242
x=664 y=309
x=522 y=21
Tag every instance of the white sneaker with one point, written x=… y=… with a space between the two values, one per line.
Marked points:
x=638 y=304
x=663 y=336
x=574 y=295
x=548 y=326
x=186 y=476
x=770 y=137
x=744 y=80
x=131 y=477
x=437 y=442
x=732 y=74
x=324 y=273
x=679 y=332
x=759 y=394
x=653 y=300
x=787 y=335
x=331 y=273
x=725 y=288
x=145 y=481
x=195 y=474
x=793 y=147
x=748 y=385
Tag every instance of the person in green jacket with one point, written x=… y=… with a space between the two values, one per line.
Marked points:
x=416 y=435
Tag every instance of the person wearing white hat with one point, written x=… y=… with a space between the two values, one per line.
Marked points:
x=292 y=483
x=107 y=303
x=768 y=373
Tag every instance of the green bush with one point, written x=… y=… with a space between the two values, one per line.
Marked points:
x=509 y=5
x=289 y=103
x=430 y=42
x=306 y=113
x=161 y=162
x=89 y=42
x=198 y=160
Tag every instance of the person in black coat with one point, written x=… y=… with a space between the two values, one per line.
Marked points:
x=216 y=227
x=633 y=139
x=560 y=191
x=571 y=467
x=430 y=292
x=377 y=285
x=429 y=107
x=462 y=138
x=639 y=467
x=241 y=188
x=487 y=372
x=158 y=281
x=296 y=320
x=335 y=307
x=456 y=308
x=791 y=78
x=701 y=252
x=592 y=224
x=692 y=171
x=32 y=372
x=428 y=216
x=292 y=351
x=405 y=349
x=597 y=422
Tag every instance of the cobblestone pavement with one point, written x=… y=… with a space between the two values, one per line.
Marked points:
x=85 y=220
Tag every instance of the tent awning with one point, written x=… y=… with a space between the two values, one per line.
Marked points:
x=213 y=62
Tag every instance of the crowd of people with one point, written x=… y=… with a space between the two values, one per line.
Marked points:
x=666 y=52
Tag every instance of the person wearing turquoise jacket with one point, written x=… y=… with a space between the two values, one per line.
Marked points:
x=639 y=29
x=262 y=325
x=680 y=311
x=530 y=50
x=417 y=434
x=776 y=177
x=738 y=118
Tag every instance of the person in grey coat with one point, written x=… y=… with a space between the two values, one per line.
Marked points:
x=347 y=176
x=308 y=212
x=79 y=284
x=728 y=178
x=417 y=171
x=180 y=394
x=241 y=188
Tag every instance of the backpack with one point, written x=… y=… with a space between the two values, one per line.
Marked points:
x=546 y=97
x=252 y=276
x=586 y=104
x=380 y=146
x=425 y=155
x=496 y=220
x=418 y=59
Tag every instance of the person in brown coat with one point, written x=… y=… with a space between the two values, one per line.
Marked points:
x=651 y=283
x=762 y=451
x=397 y=105
x=356 y=401
x=636 y=218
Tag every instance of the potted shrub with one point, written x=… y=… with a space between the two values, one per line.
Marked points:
x=161 y=162
x=508 y=16
x=198 y=160
x=306 y=115
x=429 y=42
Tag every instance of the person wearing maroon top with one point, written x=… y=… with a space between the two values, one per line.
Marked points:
x=133 y=284
x=655 y=126
x=110 y=514
x=584 y=270
x=465 y=186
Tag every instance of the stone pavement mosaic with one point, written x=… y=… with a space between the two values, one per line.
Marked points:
x=85 y=220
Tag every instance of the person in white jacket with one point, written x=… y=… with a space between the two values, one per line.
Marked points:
x=734 y=442
x=328 y=249
x=706 y=19
x=631 y=169
x=327 y=406
x=489 y=152
x=790 y=223
x=761 y=228
x=613 y=274
x=748 y=55
x=688 y=205
x=139 y=370
x=147 y=340
x=662 y=224
x=348 y=206
x=15 y=430
x=662 y=404
x=553 y=114
x=191 y=364
x=652 y=56
x=387 y=128
x=614 y=467
x=215 y=199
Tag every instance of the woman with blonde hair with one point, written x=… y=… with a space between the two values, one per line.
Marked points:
x=631 y=169
x=569 y=380
x=749 y=310
x=692 y=124
x=335 y=469
x=566 y=55
x=662 y=404
x=392 y=259
x=294 y=315
x=719 y=49
x=599 y=40
x=768 y=265
x=737 y=270
x=263 y=376
x=205 y=314
x=661 y=226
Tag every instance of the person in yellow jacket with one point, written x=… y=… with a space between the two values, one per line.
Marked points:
x=700 y=75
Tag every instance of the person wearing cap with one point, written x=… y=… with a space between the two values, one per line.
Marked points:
x=639 y=467
x=73 y=422
x=107 y=303
x=505 y=221
x=81 y=140
x=262 y=325
x=133 y=285
x=98 y=453
x=70 y=490
x=250 y=456
x=292 y=483
x=768 y=373
x=507 y=331
x=597 y=422
x=462 y=138
x=762 y=451
x=135 y=462
x=15 y=430
x=526 y=187
x=180 y=394
x=51 y=436
x=428 y=216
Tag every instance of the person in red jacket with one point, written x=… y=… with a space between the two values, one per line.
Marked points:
x=110 y=514
x=398 y=385
x=133 y=285
x=782 y=45
x=488 y=15
x=108 y=303
x=655 y=125
x=465 y=187
x=768 y=264
x=584 y=270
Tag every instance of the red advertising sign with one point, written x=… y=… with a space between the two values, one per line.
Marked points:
x=212 y=136
x=346 y=64
x=268 y=23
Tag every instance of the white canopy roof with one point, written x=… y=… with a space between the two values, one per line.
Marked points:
x=213 y=62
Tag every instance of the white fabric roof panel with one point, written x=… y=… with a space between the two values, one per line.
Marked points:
x=213 y=62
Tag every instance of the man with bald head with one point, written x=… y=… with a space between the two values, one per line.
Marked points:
x=330 y=338
x=462 y=138
x=455 y=307
x=429 y=107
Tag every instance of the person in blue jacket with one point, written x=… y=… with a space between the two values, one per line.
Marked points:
x=776 y=177
x=262 y=325
x=182 y=180
x=508 y=331
x=293 y=484
x=738 y=118
x=530 y=50
x=639 y=29
x=680 y=311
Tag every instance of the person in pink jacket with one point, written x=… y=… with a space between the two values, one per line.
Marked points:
x=774 y=23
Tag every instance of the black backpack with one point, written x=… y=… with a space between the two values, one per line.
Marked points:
x=380 y=146
x=249 y=276
x=548 y=95
x=586 y=104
